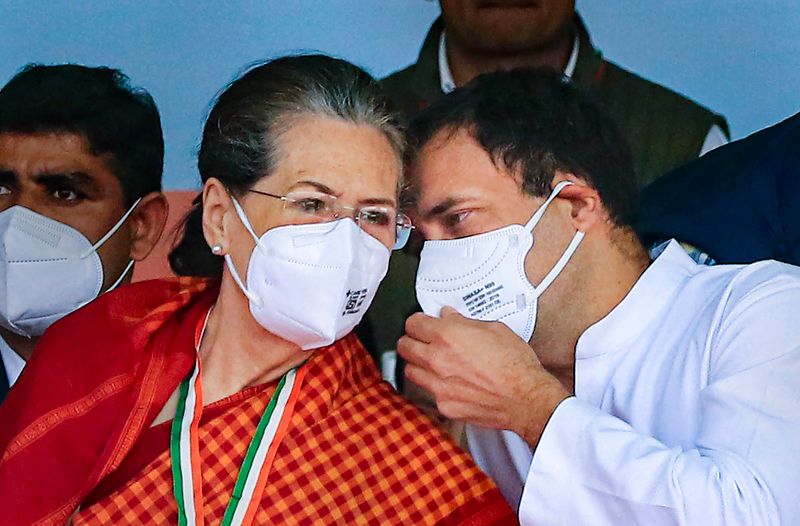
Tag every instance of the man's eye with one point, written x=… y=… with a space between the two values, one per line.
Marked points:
x=4 y=190
x=375 y=217
x=310 y=205
x=68 y=195
x=456 y=219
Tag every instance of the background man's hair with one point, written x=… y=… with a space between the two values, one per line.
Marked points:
x=117 y=120
x=534 y=122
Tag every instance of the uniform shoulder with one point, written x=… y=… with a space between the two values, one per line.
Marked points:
x=658 y=98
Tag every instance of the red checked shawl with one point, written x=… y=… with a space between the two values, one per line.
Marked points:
x=355 y=453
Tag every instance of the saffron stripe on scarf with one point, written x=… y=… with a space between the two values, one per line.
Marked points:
x=263 y=438
x=283 y=428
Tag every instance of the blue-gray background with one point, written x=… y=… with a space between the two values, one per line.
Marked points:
x=741 y=58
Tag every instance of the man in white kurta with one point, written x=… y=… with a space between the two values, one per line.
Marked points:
x=686 y=407
x=606 y=387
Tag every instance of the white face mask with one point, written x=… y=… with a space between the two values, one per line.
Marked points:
x=483 y=277
x=311 y=284
x=47 y=269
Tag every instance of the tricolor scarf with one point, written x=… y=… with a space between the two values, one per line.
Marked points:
x=100 y=376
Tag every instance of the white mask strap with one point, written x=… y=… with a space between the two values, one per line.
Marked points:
x=113 y=229
x=243 y=218
x=560 y=264
x=228 y=261
x=250 y=296
x=112 y=287
x=537 y=216
x=121 y=276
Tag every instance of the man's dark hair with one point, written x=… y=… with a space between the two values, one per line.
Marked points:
x=99 y=104
x=534 y=122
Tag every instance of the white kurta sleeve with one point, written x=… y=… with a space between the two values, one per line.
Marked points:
x=744 y=469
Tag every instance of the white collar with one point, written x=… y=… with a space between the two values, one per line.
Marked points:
x=446 y=76
x=13 y=362
x=650 y=296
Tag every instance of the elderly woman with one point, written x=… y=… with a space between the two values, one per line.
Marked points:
x=246 y=399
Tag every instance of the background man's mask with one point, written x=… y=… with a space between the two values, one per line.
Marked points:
x=47 y=269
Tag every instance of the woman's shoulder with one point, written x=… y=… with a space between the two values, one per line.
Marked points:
x=409 y=424
x=386 y=438
x=105 y=335
x=88 y=372
x=128 y=306
x=347 y=390
x=137 y=300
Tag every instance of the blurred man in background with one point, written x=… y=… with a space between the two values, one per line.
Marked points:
x=663 y=128
x=81 y=159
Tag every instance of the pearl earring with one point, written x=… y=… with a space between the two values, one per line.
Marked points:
x=216 y=250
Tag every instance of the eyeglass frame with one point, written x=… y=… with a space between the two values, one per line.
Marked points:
x=400 y=239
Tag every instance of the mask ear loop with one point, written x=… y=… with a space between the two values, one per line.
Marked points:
x=105 y=238
x=243 y=218
x=112 y=287
x=228 y=261
x=121 y=277
x=560 y=264
x=537 y=216
x=571 y=248
x=113 y=230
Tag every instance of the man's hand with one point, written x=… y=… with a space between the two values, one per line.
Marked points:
x=480 y=372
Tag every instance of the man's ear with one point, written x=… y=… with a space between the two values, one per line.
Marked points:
x=586 y=209
x=147 y=224
x=216 y=204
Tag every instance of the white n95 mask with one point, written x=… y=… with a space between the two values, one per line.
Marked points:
x=311 y=284
x=483 y=276
x=47 y=269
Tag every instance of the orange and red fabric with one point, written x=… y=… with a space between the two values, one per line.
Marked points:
x=356 y=453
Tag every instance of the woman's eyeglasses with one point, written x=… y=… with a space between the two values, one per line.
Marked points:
x=382 y=222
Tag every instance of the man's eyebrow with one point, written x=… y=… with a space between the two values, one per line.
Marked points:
x=80 y=179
